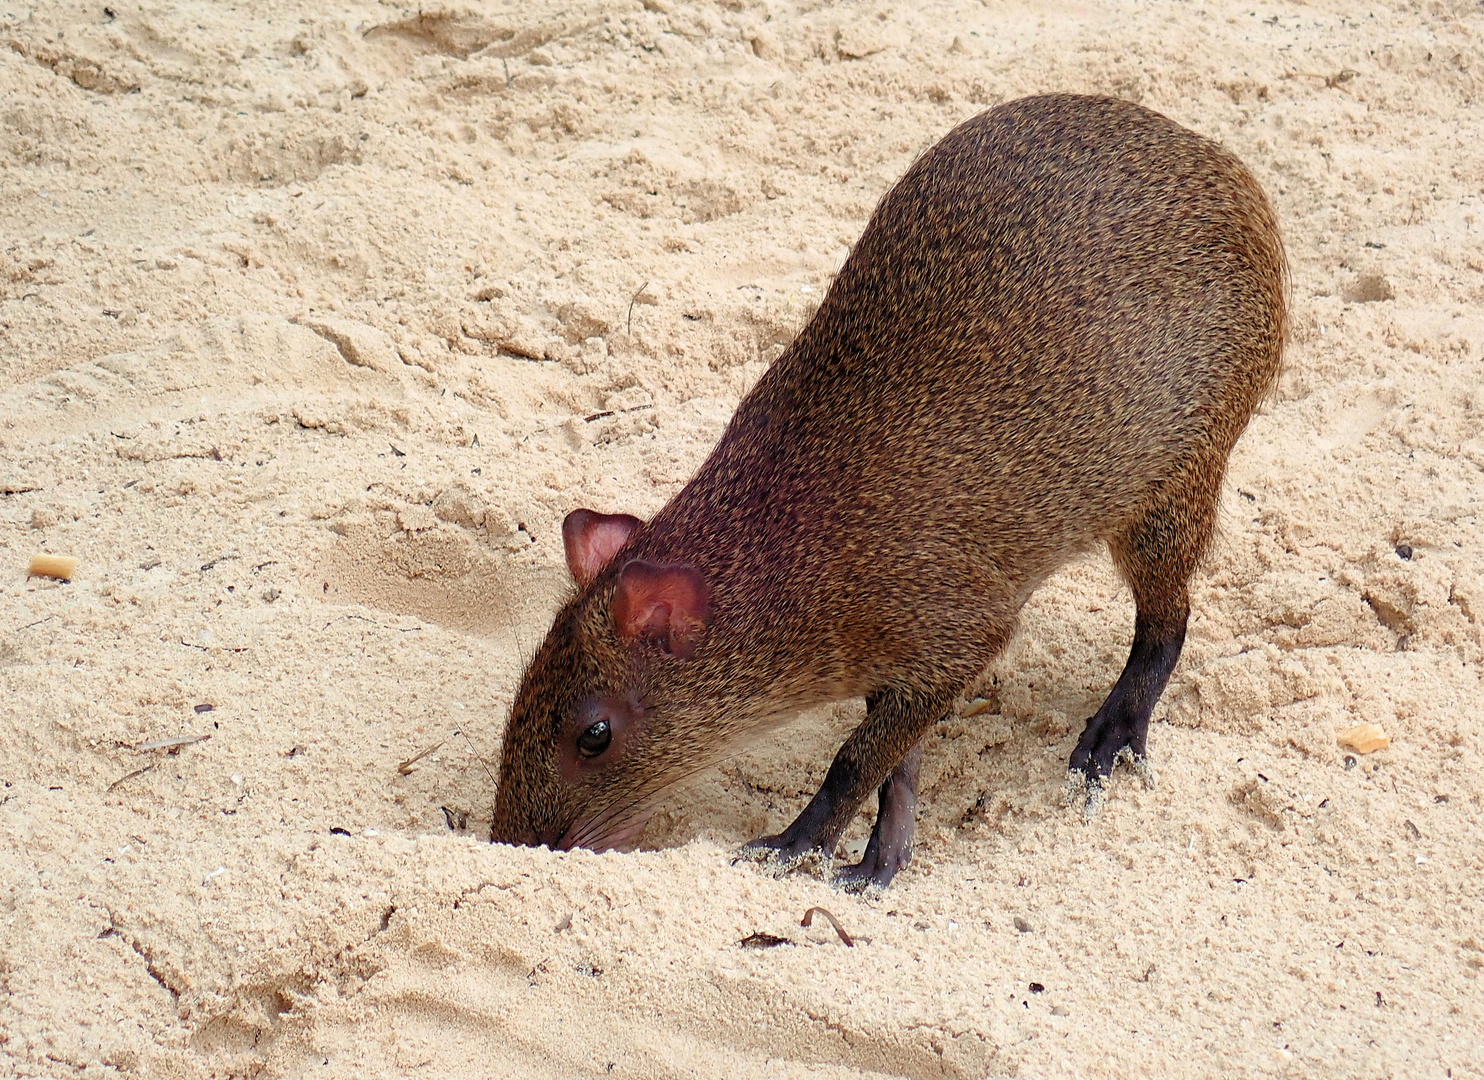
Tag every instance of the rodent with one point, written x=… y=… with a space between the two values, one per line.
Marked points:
x=1049 y=336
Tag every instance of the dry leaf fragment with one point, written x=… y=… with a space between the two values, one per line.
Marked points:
x=52 y=566
x=1365 y=738
x=761 y=939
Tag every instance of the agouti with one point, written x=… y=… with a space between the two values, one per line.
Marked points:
x=1049 y=337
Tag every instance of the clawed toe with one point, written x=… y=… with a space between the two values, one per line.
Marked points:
x=873 y=873
x=849 y=879
x=1087 y=785
x=1139 y=763
x=1084 y=791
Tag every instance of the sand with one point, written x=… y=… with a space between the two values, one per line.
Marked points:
x=315 y=321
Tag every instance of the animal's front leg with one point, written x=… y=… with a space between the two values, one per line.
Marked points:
x=895 y=723
x=890 y=846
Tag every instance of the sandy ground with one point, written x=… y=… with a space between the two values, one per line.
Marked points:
x=312 y=328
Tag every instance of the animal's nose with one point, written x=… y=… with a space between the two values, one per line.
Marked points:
x=509 y=828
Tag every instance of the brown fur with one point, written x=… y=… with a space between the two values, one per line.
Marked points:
x=1049 y=337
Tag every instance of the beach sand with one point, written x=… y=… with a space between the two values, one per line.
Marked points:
x=313 y=326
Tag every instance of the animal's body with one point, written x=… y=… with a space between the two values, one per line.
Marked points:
x=1049 y=337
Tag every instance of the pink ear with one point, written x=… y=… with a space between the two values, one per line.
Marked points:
x=668 y=603
x=592 y=539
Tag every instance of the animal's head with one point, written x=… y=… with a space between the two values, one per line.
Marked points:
x=591 y=741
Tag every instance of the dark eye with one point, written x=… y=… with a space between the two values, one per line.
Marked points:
x=595 y=739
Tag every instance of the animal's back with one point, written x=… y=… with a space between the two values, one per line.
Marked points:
x=1046 y=317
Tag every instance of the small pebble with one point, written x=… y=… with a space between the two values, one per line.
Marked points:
x=1364 y=738
x=61 y=567
x=1023 y=926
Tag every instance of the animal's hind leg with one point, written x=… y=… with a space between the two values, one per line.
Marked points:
x=1121 y=726
x=1156 y=556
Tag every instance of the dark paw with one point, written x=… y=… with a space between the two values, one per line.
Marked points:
x=1104 y=745
x=874 y=871
x=1105 y=741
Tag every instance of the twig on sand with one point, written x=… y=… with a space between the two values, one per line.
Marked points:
x=1332 y=82
x=640 y=292
x=130 y=776
x=405 y=767
x=173 y=743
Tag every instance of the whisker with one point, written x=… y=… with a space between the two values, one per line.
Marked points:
x=597 y=825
